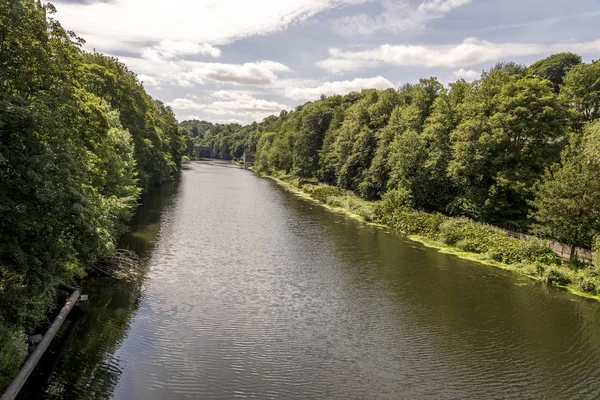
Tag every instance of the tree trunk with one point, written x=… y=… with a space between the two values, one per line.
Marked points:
x=572 y=255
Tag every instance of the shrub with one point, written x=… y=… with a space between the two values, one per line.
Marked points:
x=322 y=192
x=416 y=222
x=554 y=276
x=13 y=350
x=392 y=202
x=513 y=250
x=466 y=245
x=482 y=238
x=586 y=285
x=494 y=242
x=333 y=201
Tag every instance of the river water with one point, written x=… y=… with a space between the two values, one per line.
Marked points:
x=253 y=292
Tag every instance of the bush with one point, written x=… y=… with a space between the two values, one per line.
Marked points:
x=363 y=208
x=322 y=192
x=416 y=222
x=482 y=238
x=466 y=245
x=554 y=277
x=586 y=285
x=392 y=202
x=13 y=350
x=513 y=250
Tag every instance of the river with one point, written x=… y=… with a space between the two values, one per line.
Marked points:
x=251 y=291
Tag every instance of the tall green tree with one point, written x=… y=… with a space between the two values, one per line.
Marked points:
x=581 y=89
x=509 y=133
x=567 y=203
x=153 y=128
x=309 y=139
x=555 y=67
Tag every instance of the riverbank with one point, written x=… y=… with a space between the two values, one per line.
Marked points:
x=461 y=237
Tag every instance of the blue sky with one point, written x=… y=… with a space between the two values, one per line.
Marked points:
x=242 y=60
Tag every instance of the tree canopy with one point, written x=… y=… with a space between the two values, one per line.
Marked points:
x=79 y=140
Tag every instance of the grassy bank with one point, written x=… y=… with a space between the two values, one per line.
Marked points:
x=458 y=236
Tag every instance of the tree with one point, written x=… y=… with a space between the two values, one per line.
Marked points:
x=555 y=67
x=509 y=133
x=407 y=159
x=511 y=68
x=438 y=189
x=309 y=139
x=567 y=203
x=355 y=143
x=153 y=127
x=581 y=89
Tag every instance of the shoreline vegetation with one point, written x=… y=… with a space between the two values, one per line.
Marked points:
x=472 y=241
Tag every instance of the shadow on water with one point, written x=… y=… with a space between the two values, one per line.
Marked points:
x=79 y=363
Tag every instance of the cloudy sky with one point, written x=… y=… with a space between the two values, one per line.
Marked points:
x=242 y=60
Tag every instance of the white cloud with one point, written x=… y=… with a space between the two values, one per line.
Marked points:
x=149 y=80
x=213 y=22
x=213 y=120
x=471 y=51
x=227 y=121
x=169 y=49
x=244 y=105
x=189 y=73
x=443 y=6
x=337 y=87
x=397 y=16
x=230 y=94
x=468 y=75
x=251 y=73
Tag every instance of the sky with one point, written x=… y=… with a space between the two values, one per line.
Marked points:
x=242 y=60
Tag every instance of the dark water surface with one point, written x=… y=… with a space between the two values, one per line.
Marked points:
x=253 y=292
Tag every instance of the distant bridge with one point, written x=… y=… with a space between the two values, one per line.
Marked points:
x=248 y=158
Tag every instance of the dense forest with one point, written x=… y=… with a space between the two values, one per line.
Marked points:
x=519 y=148
x=80 y=139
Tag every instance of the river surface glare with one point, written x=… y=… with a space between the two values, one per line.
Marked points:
x=251 y=291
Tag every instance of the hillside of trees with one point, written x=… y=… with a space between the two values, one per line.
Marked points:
x=80 y=139
x=518 y=148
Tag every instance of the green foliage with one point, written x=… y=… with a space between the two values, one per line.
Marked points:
x=555 y=276
x=412 y=222
x=509 y=132
x=78 y=134
x=596 y=249
x=12 y=353
x=567 y=205
x=394 y=201
x=485 y=239
x=158 y=145
x=555 y=67
x=322 y=193
x=581 y=88
x=510 y=68
x=309 y=139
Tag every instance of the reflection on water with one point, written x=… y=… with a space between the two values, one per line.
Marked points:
x=80 y=362
x=253 y=292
